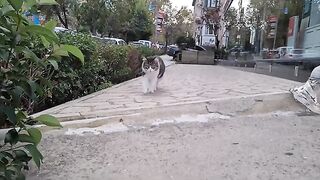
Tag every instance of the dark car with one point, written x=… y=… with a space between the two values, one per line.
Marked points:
x=200 y=48
x=173 y=51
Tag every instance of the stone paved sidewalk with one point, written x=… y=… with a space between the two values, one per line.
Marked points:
x=181 y=84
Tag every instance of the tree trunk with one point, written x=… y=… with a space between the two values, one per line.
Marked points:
x=57 y=11
x=64 y=10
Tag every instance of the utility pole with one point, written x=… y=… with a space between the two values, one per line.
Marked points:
x=156 y=20
x=262 y=29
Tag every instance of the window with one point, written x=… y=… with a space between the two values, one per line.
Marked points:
x=212 y=3
x=306 y=8
x=315 y=13
x=209 y=29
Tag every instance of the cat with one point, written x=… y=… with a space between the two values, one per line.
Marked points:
x=153 y=69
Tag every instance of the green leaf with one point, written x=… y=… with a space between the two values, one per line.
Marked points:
x=35 y=135
x=47 y=2
x=48 y=120
x=74 y=51
x=5 y=30
x=39 y=30
x=11 y=137
x=60 y=52
x=6 y=9
x=21 y=156
x=26 y=138
x=45 y=42
x=21 y=176
x=29 y=54
x=21 y=115
x=10 y=113
x=16 y=4
x=36 y=155
x=5 y=154
x=54 y=64
x=51 y=25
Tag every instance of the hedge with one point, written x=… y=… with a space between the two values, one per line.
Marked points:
x=105 y=65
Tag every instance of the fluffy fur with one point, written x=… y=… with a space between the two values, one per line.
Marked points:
x=153 y=69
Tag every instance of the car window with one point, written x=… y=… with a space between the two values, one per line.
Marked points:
x=298 y=51
x=122 y=42
x=109 y=41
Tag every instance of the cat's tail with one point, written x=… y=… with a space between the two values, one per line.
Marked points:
x=162 y=68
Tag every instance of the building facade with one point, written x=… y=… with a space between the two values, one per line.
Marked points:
x=208 y=19
x=310 y=25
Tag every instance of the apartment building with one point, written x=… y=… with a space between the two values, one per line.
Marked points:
x=208 y=15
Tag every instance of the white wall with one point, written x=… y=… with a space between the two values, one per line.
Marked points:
x=312 y=38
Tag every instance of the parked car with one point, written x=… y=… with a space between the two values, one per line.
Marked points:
x=119 y=41
x=146 y=43
x=60 y=29
x=111 y=41
x=173 y=51
x=161 y=46
x=295 y=53
x=136 y=44
x=197 y=48
x=282 y=51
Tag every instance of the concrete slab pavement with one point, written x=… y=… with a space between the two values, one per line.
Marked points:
x=181 y=84
x=205 y=122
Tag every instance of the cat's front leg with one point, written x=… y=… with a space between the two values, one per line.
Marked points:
x=145 y=85
x=153 y=84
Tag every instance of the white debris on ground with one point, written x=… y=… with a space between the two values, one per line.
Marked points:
x=106 y=129
x=120 y=127
x=309 y=93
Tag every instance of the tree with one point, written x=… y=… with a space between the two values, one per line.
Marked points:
x=60 y=10
x=177 y=22
x=295 y=8
x=141 y=22
x=256 y=17
x=231 y=24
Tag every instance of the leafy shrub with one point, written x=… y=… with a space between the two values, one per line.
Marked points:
x=24 y=75
x=115 y=63
x=185 y=42
x=145 y=51
x=74 y=80
x=135 y=62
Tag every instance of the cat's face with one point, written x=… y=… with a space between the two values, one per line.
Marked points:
x=150 y=64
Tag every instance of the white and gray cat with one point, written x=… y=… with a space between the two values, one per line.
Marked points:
x=153 y=68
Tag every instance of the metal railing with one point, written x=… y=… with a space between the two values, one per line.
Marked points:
x=297 y=63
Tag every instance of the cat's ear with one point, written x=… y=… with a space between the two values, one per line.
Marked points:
x=144 y=59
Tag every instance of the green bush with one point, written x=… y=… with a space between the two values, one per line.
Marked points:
x=105 y=65
x=26 y=68
x=145 y=51
x=115 y=63
x=185 y=42
x=74 y=80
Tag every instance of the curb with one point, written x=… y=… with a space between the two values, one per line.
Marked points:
x=234 y=106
